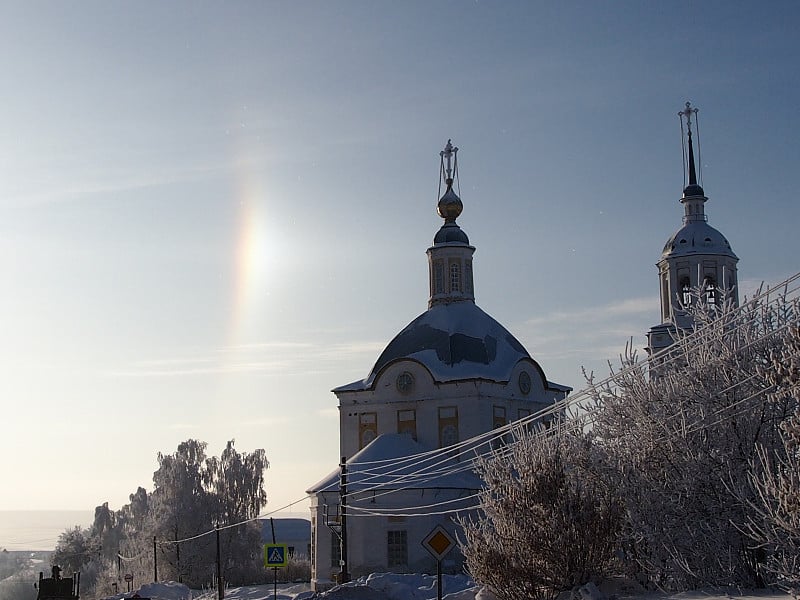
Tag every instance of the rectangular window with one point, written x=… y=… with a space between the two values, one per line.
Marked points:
x=468 y=277
x=499 y=420
x=499 y=417
x=312 y=549
x=336 y=551
x=397 y=548
x=455 y=276
x=524 y=413
x=407 y=422
x=367 y=428
x=438 y=277
x=448 y=426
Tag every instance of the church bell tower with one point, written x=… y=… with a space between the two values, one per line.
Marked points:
x=697 y=256
x=450 y=257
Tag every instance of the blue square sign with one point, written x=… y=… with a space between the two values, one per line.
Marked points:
x=275 y=555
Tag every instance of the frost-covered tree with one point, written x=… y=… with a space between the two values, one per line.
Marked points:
x=78 y=552
x=236 y=482
x=681 y=433
x=193 y=494
x=775 y=523
x=182 y=507
x=547 y=521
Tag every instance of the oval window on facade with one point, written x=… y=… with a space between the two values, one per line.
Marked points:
x=524 y=382
x=405 y=382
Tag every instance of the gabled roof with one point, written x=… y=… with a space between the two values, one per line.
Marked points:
x=394 y=461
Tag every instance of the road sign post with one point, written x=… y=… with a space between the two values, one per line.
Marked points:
x=275 y=555
x=438 y=542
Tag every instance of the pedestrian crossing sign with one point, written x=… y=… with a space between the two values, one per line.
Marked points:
x=275 y=555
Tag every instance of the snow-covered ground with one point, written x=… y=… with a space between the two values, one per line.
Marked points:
x=389 y=586
x=378 y=586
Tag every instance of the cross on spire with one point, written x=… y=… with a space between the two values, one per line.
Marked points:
x=449 y=153
x=687 y=114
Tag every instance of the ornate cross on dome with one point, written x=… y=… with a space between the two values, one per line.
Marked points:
x=688 y=112
x=449 y=153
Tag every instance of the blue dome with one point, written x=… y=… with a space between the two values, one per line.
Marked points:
x=455 y=341
x=693 y=190
x=450 y=233
x=697 y=237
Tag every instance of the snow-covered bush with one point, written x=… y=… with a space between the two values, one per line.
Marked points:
x=681 y=432
x=548 y=522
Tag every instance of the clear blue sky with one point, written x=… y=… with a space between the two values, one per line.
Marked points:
x=213 y=213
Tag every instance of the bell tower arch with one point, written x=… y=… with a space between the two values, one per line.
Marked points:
x=696 y=256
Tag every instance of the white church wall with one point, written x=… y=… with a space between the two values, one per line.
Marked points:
x=472 y=406
x=368 y=535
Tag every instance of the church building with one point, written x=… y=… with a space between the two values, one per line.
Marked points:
x=409 y=429
x=695 y=258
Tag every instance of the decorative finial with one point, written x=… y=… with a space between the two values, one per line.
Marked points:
x=687 y=114
x=450 y=205
x=449 y=153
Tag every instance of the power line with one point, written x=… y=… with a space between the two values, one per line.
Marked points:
x=686 y=344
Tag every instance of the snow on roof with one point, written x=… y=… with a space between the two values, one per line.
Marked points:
x=697 y=237
x=391 y=461
x=455 y=341
x=558 y=387
x=286 y=529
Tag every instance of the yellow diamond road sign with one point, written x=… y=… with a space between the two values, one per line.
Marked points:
x=439 y=542
x=275 y=555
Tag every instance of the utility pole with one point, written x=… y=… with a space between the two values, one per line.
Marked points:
x=220 y=591
x=155 y=560
x=344 y=575
x=275 y=570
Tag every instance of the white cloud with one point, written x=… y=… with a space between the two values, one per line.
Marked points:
x=268 y=358
x=624 y=308
x=265 y=421
x=328 y=413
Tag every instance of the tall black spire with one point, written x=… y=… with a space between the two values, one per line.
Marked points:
x=692 y=187
x=692 y=171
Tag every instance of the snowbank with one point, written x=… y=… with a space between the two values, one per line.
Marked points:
x=391 y=586
x=167 y=590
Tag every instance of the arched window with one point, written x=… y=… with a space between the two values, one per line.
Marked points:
x=686 y=291
x=710 y=290
x=455 y=277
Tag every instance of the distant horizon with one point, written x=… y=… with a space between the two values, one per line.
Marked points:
x=38 y=530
